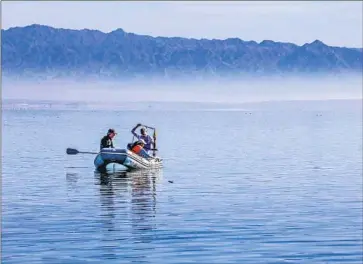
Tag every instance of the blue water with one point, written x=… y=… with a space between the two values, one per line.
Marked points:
x=260 y=183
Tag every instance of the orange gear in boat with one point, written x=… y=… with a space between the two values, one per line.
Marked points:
x=136 y=149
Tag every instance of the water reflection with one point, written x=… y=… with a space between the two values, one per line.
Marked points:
x=143 y=206
x=128 y=199
x=125 y=207
x=72 y=179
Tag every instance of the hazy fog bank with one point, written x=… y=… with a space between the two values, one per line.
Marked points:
x=213 y=90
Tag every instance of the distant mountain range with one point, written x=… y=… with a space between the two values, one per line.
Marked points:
x=47 y=51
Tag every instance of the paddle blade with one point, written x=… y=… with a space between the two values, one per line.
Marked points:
x=71 y=151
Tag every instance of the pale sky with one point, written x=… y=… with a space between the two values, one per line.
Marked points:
x=335 y=23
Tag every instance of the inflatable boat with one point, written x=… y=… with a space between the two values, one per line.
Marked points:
x=126 y=158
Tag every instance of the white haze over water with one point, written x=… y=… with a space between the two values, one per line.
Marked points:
x=233 y=91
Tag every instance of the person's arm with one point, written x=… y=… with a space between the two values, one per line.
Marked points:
x=133 y=130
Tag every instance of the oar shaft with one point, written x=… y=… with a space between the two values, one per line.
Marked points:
x=148 y=127
x=87 y=152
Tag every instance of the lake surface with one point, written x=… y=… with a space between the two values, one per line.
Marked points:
x=258 y=183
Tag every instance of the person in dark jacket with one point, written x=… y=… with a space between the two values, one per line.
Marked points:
x=106 y=141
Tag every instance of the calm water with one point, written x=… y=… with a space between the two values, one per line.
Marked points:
x=264 y=183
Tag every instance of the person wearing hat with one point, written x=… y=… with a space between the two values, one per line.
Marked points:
x=139 y=149
x=106 y=141
x=144 y=136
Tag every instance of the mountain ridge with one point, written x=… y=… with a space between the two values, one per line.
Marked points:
x=49 y=51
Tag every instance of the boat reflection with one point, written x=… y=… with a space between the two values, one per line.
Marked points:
x=128 y=199
x=125 y=213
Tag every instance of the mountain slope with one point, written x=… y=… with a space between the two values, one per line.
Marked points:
x=44 y=50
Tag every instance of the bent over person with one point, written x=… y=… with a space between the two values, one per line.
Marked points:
x=138 y=149
x=106 y=141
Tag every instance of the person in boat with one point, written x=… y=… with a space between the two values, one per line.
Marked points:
x=106 y=141
x=144 y=136
x=139 y=149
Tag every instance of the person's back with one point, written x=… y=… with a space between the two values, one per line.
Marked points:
x=136 y=149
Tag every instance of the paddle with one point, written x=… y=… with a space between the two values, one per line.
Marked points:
x=148 y=127
x=154 y=136
x=71 y=151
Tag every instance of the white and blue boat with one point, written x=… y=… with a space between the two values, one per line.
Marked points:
x=124 y=157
